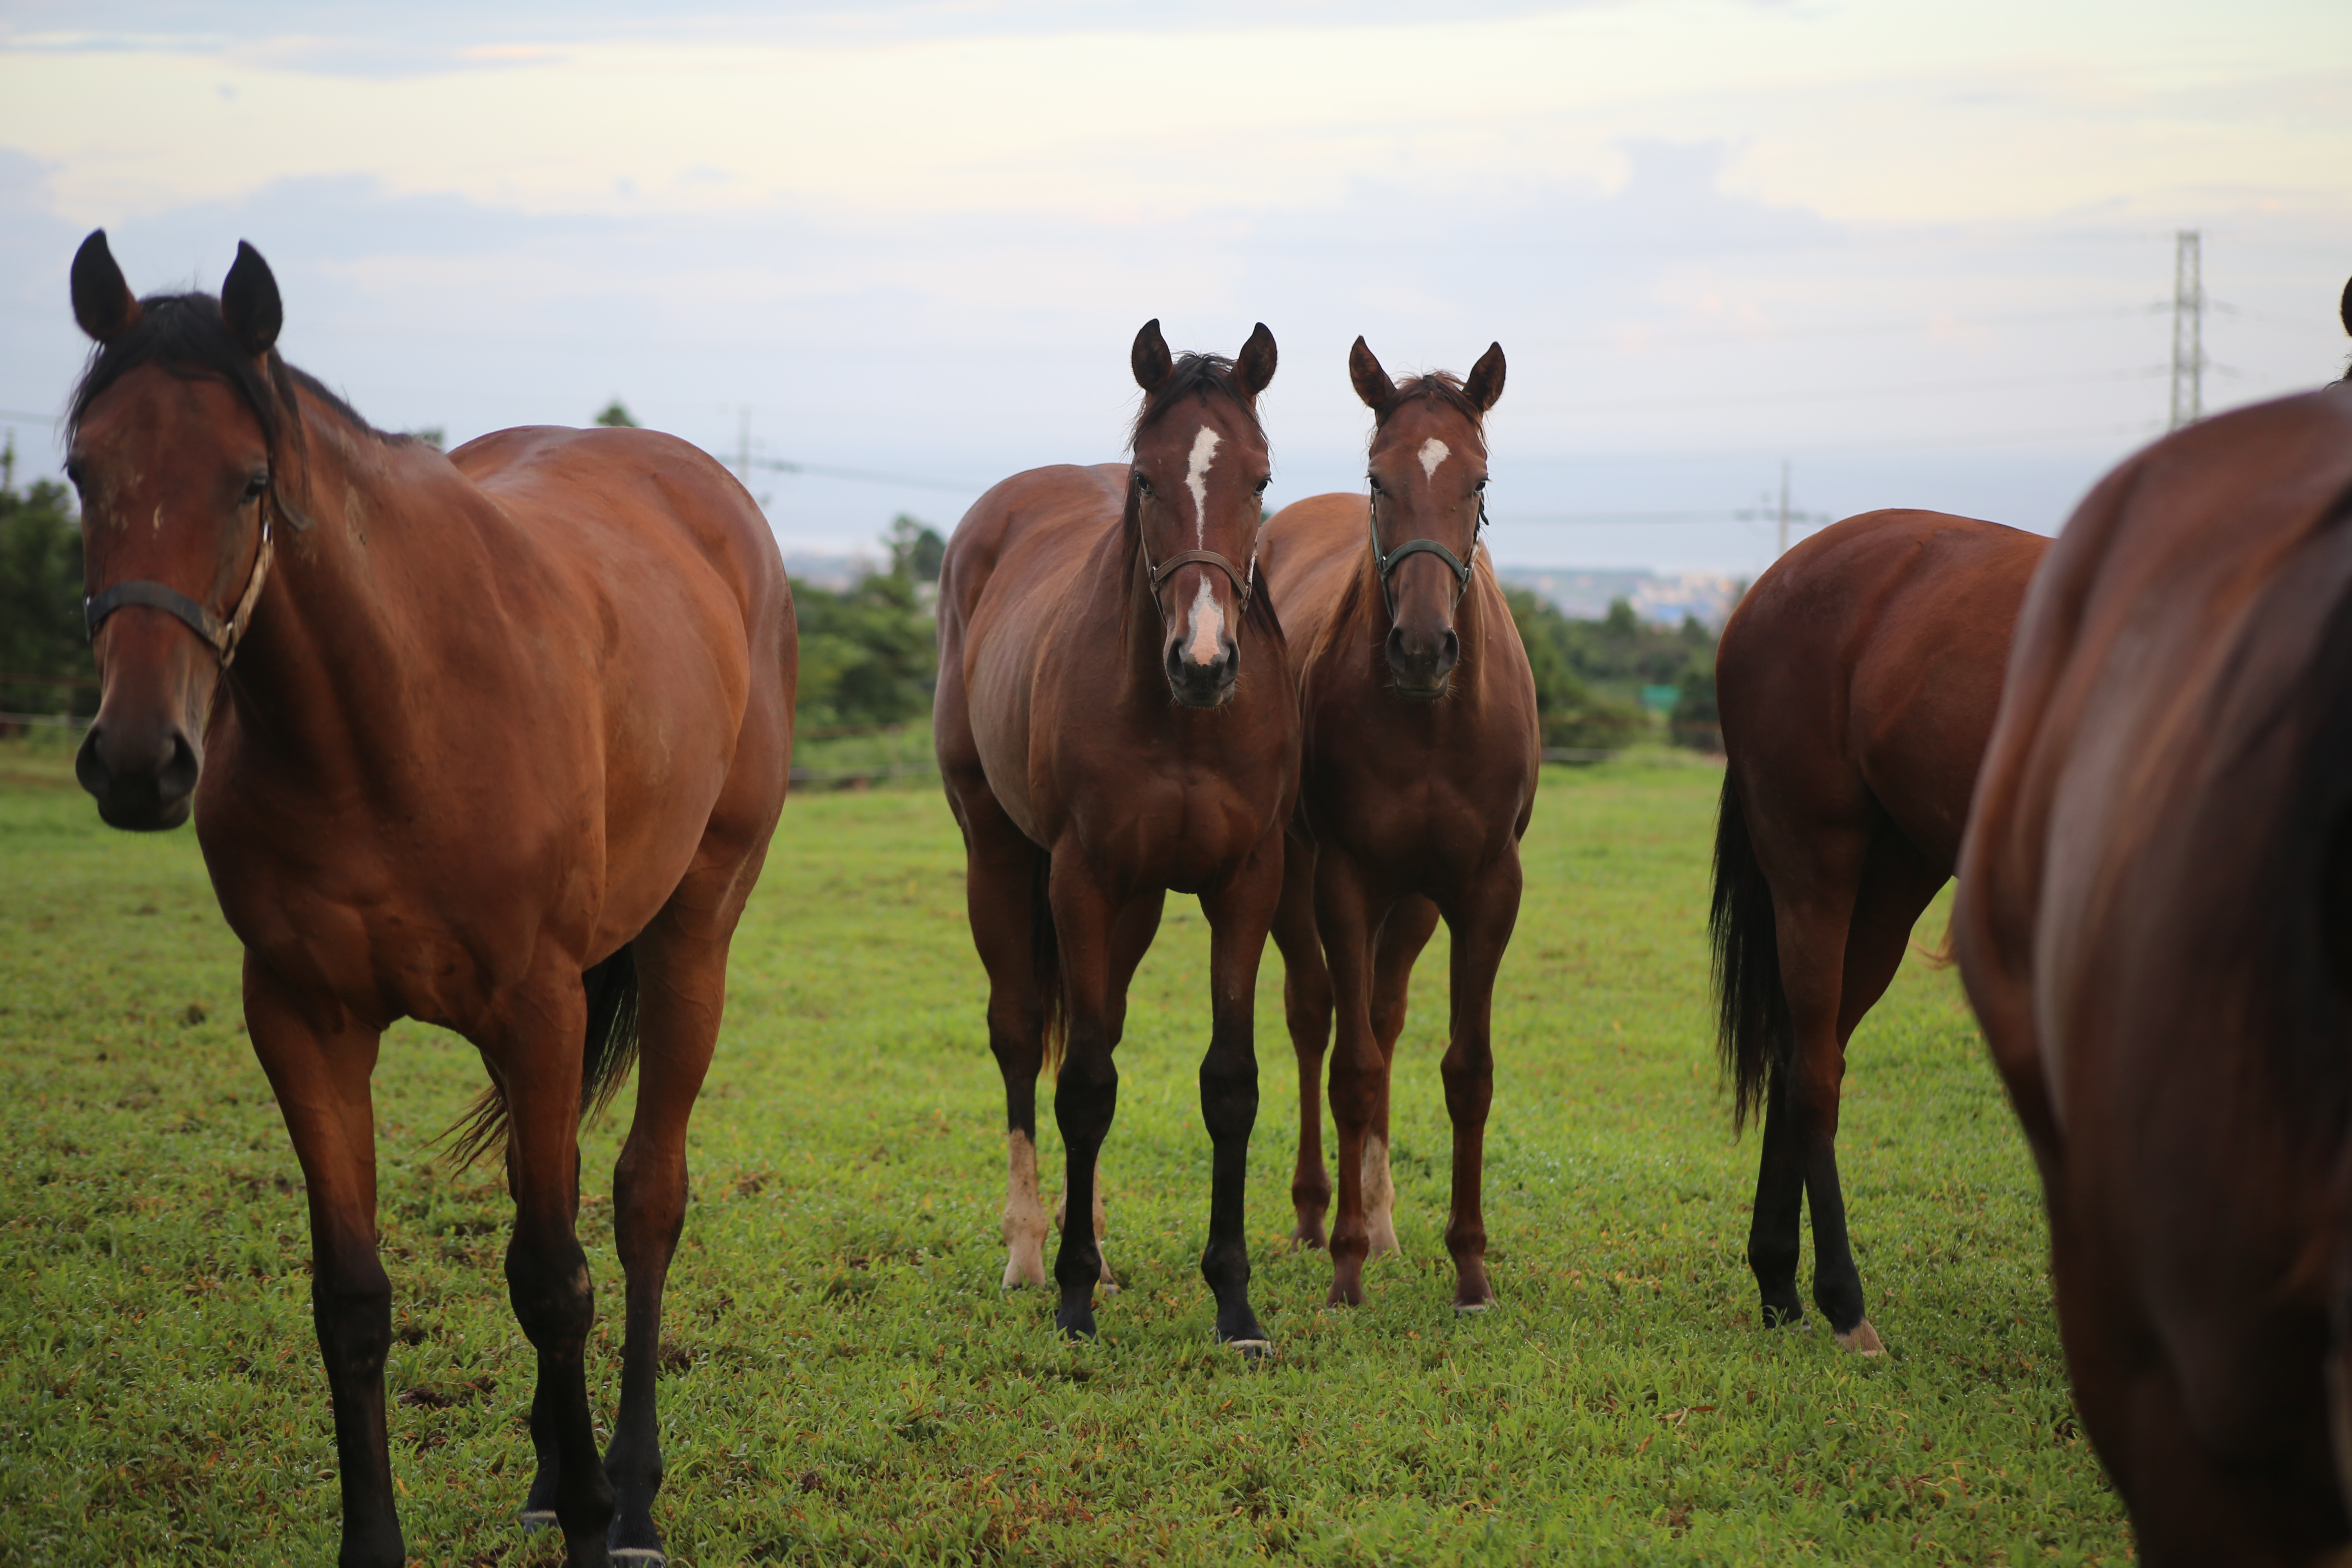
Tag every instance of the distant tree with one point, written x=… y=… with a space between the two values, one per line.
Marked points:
x=915 y=549
x=1569 y=713
x=616 y=416
x=432 y=435
x=42 y=642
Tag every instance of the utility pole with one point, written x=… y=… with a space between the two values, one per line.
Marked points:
x=1783 y=548
x=2188 y=330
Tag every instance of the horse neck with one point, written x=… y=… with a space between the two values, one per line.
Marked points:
x=319 y=679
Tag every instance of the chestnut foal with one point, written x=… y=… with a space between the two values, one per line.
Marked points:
x=1418 y=714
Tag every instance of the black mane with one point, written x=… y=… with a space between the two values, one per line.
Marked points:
x=1192 y=375
x=185 y=335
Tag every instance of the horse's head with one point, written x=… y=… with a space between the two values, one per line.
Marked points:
x=1428 y=477
x=1193 y=503
x=172 y=439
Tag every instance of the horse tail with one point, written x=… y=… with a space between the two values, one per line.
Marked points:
x=1045 y=963
x=1752 y=1027
x=606 y=1058
x=1938 y=956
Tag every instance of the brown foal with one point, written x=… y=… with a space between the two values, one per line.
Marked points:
x=495 y=741
x=1420 y=758
x=1857 y=682
x=1113 y=722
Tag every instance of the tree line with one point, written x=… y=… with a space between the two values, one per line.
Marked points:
x=867 y=652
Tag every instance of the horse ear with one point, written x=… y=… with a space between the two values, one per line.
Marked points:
x=1486 y=383
x=1372 y=383
x=2345 y=309
x=103 y=305
x=1149 y=358
x=1254 y=367
x=249 y=302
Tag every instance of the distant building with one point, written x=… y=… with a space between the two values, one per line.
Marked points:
x=1663 y=597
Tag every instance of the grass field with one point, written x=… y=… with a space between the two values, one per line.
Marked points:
x=848 y=1383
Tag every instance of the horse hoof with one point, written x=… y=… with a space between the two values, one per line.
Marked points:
x=535 y=1520
x=1252 y=1350
x=641 y=1556
x=1862 y=1340
x=1466 y=1309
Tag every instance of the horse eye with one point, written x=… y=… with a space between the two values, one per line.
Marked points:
x=257 y=486
x=1261 y=484
x=1375 y=481
x=1143 y=484
x=1480 y=487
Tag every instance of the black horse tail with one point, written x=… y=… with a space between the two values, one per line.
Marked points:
x=609 y=1051
x=1753 y=1033
x=1045 y=963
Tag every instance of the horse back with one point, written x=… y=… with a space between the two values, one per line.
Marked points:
x=1015 y=570
x=1864 y=671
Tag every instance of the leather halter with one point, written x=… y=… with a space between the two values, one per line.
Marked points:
x=1243 y=585
x=1387 y=564
x=221 y=635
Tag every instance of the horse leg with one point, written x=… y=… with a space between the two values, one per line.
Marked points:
x=1000 y=895
x=681 y=961
x=1481 y=918
x=1812 y=906
x=319 y=1071
x=1307 y=1008
x=1402 y=935
x=1239 y=912
x=1085 y=1095
x=1131 y=939
x=1344 y=915
x=547 y=1271
x=1898 y=884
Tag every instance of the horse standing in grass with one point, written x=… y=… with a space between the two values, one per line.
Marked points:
x=1114 y=721
x=495 y=741
x=1420 y=759
x=2155 y=923
x=1857 y=682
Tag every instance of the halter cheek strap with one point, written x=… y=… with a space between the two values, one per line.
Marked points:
x=1388 y=563
x=221 y=635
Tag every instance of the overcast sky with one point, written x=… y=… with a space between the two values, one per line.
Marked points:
x=1923 y=251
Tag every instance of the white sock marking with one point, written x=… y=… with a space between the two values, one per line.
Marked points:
x=1432 y=452
x=1196 y=479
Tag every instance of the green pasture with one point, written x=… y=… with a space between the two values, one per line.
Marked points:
x=845 y=1382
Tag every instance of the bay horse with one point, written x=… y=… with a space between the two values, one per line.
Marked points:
x=2155 y=925
x=1113 y=722
x=1857 y=682
x=1420 y=755
x=495 y=741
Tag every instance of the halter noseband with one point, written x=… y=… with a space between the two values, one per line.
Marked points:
x=1244 y=585
x=221 y=635
x=1387 y=564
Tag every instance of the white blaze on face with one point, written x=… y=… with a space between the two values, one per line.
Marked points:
x=1432 y=452
x=1196 y=479
x=1208 y=625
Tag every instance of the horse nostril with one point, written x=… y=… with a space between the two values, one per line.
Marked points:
x=176 y=779
x=89 y=767
x=1451 y=653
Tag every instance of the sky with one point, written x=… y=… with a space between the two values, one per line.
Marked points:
x=1921 y=253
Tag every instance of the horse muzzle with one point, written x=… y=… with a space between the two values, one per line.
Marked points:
x=142 y=775
x=1202 y=683
x=1422 y=662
